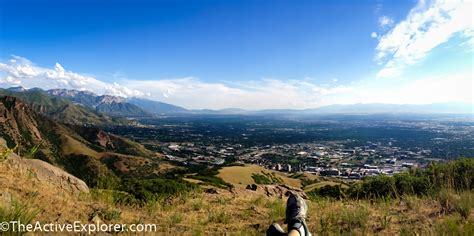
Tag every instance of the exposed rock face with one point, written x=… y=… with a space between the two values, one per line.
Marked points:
x=103 y=139
x=45 y=172
x=16 y=121
x=278 y=190
x=282 y=190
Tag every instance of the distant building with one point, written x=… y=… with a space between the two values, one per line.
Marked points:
x=366 y=166
x=302 y=153
x=174 y=147
x=408 y=165
x=278 y=167
x=330 y=172
x=218 y=161
x=348 y=151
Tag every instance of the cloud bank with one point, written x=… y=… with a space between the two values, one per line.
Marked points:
x=428 y=24
x=188 y=92
x=20 y=71
x=194 y=93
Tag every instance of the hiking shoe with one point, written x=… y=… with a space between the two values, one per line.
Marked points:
x=296 y=209
x=275 y=230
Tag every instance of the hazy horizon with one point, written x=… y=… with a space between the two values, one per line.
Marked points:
x=243 y=54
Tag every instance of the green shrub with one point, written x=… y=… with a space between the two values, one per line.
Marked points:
x=93 y=172
x=266 y=178
x=410 y=184
x=212 y=180
x=328 y=191
x=374 y=187
x=456 y=175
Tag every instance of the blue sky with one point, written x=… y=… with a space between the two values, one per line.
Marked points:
x=247 y=54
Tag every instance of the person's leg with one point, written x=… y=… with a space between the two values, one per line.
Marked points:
x=296 y=209
x=294 y=233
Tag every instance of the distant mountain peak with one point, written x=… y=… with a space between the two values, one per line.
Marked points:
x=17 y=89
x=69 y=92
x=109 y=99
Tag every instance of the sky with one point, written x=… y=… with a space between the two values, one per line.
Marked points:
x=260 y=54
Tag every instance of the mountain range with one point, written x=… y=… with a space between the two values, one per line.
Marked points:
x=87 y=107
x=89 y=153
x=114 y=105
x=83 y=107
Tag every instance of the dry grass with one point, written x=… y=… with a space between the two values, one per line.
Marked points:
x=72 y=146
x=242 y=175
x=52 y=203
x=244 y=212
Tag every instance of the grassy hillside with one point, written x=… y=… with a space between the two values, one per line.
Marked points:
x=110 y=142
x=245 y=212
x=242 y=175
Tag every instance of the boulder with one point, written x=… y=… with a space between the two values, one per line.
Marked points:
x=48 y=173
x=45 y=172
x=252 y=187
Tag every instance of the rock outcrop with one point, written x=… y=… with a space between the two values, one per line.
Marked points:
x=282 y=190
x=275 y=190
x=44 y=172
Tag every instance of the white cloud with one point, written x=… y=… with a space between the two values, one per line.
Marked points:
x=385 y=21
x=426 y=26
x=188 y=92
x=21 y=71
x=437 y=89
x=262 y=94
x=469 y=34
x=194 y=93
x=373 y=35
